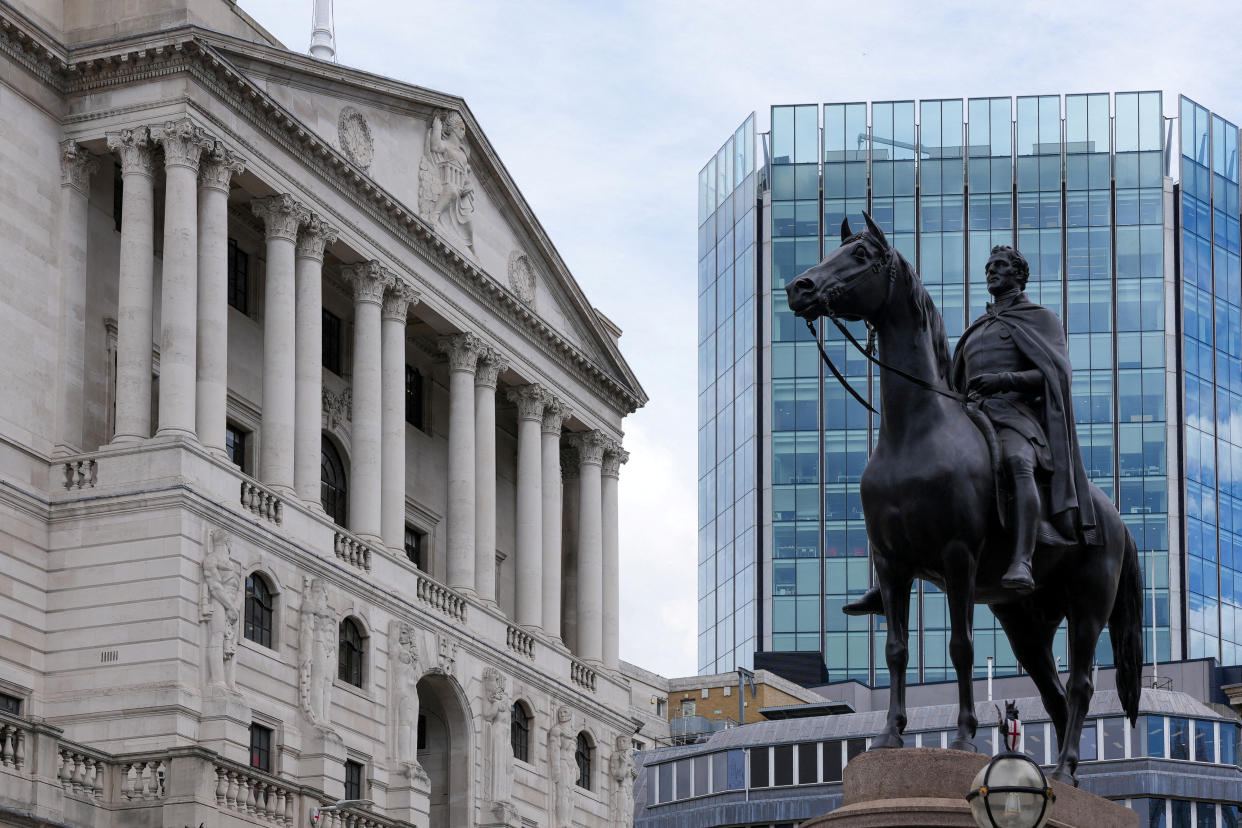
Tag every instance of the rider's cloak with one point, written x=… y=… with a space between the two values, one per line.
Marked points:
x=1037 y=333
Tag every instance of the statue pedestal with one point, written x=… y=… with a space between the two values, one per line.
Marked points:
x=926 y=787
x=409 y=798
x=322 y=763
x=224 y=725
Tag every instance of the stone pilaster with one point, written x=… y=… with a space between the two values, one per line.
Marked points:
x=463 y=352
x=397 y=303
x=490 y=366
x=314 y=235
x=614 y=456
x=183 y=143
x=282 y=216
x=76 y=168
x=216 y=169
x=554 y=415
x=135 y=289
x=369 y=280
x=590 y=445
x=530 y=400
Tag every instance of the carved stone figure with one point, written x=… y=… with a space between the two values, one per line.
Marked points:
x=445 y=194
x=222 y=583
x=623 y=773
x=562 y=768
x=355 y=137
x=498 y=752
x=448 y=653
x=407 y=670
x=522 y=276
x=959 y=441
x=317 y=654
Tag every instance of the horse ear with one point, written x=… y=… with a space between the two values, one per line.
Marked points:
x=875 y=230
x=845 y=230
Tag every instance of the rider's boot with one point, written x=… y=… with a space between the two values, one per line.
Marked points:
x=1024 y=524
x=871 y=603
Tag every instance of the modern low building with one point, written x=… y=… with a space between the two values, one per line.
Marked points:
x=309 y=446
x=1126 y=208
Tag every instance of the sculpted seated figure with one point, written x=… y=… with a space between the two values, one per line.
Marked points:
x=1013 y=364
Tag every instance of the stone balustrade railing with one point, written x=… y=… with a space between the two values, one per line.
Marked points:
x=582 y=675
x=250 y=793
x=352 y=550
x=349 y=818
x=14 y=739
x=143 y=780
x=80 y=771
x=262 y=502
x=81 y=474
x=440 y=598
x=520 y=641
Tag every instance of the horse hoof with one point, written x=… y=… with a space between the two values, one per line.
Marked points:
x=963 y=744
x=886 y=741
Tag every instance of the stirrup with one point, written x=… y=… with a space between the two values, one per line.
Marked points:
x=870 y=603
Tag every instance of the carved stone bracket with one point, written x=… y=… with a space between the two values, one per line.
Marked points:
x=338 y=408
x=77 y=166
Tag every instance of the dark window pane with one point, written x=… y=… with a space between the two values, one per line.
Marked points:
x=235 y=440
x=353 y=779
x=350 y=653
x=832 y=761
x=10 y=704
x=413 y=397
x=1181 y=813
x=666 y=782
x=332 y=342
x=261 y=747
x=519 y=731
x=759 y=767
x=1179 y=738
x=853 y=747
x=720 y=772
x=783 y=762
x=258 y=610
x=415 y=547
x=682 y=769
x=239 y=277
x=333 y=485
x=118 y=189
x=702 y=767
x=808 y=768
x=582 y=755
x=1205 y=741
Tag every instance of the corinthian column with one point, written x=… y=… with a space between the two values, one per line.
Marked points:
x=463 y=355
x=76 y=168
x=397 y=302
x=281 y=216
x=135 y=289
x=530 y=401
x=314 y=235
x=491 y=364
x=554 y=415
x=369 y=279
x=216 y=169
x=614 y=456
x=183 y=146
x=590 y=546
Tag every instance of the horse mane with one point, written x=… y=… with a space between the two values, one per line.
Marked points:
x=927 y=313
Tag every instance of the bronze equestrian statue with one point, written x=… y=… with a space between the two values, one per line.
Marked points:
x=976 y=485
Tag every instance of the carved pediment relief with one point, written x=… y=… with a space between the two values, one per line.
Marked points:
x=445 y=181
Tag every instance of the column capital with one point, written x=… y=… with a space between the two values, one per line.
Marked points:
x=614 y=456
x=530 y=400
x=281 y=216
x=590 y=445
x=76 y=166
x=369 y=280
x=555 y=413
x=491 y=365
x=398 y=300
x=463 y=351
x=314 y=235
x=569 y=461
x=135 y=149
x=184 y=143
x=217 y=167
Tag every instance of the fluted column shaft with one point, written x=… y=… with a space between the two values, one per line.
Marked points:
x=529 y=518
x=183 y=144
x=216 y=169
x=490 y=366
x=135 y=289
x=554 y=415
x=614 y=456
x=397 y=303
x=590 y=547
x=365 y=462
x=281 y=216
x=314 y=235
x=76 y=167
x=463 y=353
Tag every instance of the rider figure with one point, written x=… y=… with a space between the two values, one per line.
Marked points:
x=1013 y=363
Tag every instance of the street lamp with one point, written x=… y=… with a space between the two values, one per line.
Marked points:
x=1010 y=791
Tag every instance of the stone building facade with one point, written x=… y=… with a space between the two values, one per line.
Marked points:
x=309 y=447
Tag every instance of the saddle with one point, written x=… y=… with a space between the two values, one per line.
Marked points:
x=1046 y=535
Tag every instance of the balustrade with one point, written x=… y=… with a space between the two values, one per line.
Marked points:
x=12 y=746
x=582 y=675
x=81 y=474
x=143 y=780
x=520 y=641
x=254 y=795
x=262 y=502
x=440 y=598
x=352 y=550
x=80 y=772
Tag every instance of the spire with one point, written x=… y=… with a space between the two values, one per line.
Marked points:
x=323 y=41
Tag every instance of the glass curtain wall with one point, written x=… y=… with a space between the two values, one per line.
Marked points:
x=728 y=430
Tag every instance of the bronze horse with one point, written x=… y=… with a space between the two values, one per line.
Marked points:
x=930 y=503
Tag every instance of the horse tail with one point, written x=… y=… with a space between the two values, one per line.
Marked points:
x=1125 y=628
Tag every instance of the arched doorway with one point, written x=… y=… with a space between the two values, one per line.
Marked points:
x=445 y=745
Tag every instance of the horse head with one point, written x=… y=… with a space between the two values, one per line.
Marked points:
x=852 y=282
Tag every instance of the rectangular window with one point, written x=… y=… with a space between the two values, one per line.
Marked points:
x=759 y=767
x=416 y=547
x=832 y=761
x=235 y=444
x=422 y=732
x=239 y=278
x=1114 y=731
x=10 y=704
x=332 y=342
x=261 y=747
x=353 y=779
x=118 y=199
x=808 y=768
x=414 y=397
x=783 y=761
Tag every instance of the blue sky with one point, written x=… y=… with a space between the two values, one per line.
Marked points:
x=604 y=113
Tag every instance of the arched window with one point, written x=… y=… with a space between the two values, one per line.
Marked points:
x=333 y=485
x=519 y=731
x=259 y=601
x=351 y=651
x=582 y=755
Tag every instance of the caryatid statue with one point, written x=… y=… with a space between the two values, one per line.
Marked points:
x=407 y=673
x=623 y=773
x=498 y=756
x=222 y=582
x=317 y=654
x=445 y=194
x=562 y=768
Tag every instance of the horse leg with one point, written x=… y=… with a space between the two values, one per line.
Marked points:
x=1085 y=624
x=1031 y=632
x=895 y=590
x=960 y=592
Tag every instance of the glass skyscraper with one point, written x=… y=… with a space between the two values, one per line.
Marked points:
x=1129 y=219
